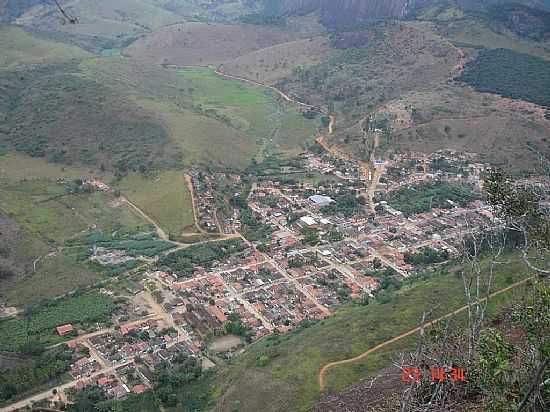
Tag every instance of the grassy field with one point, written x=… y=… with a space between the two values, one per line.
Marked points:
x=21 y=48
x=47 y=211
x=113 y=22
x=37 y=217
x=164 y=198
x=40 y=326
x=204 y=113
x=289 y=381
x=250 y=109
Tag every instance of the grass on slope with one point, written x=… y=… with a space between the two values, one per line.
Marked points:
x=21 y=48
x=204 y=140
x=37 y=216
x=274 y=63
x=475 y=34
x=17 y=167
x=119 y=21
x=253 y=110
x=204 y=113
x=164 y=198
x=289 y=380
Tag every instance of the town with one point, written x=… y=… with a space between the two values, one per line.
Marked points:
x=299 y=249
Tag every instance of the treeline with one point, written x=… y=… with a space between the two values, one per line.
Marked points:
x=427 y=256
x=186 y=261
x=423 y=198
x=510 y=74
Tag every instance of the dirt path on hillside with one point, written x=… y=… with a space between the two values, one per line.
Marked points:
x=285 y=96
x=328 y=366
x=189 y=183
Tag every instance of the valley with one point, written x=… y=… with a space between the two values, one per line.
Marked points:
x=241 y=205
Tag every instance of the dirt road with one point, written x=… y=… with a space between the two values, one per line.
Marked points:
x=328 y=366
x=160 y=232
x=189 y=183
x=285 y=96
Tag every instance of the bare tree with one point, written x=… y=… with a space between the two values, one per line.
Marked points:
x=66 y=16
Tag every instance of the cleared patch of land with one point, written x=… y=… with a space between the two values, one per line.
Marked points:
x=204 y=44
x=224 y=343
x=21 y=48
x=163 y=197
x=274 y=63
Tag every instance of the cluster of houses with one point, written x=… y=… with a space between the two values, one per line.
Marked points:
x=289 y=278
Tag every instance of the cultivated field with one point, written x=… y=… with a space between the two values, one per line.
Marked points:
x=40 y=326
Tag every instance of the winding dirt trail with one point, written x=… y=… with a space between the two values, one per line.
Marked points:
x=328 y=366
x=285 y=96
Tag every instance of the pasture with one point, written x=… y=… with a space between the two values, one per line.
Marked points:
x=163 y=197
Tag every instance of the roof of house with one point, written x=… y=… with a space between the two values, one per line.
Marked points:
x=64 y=329
x=320 y=200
